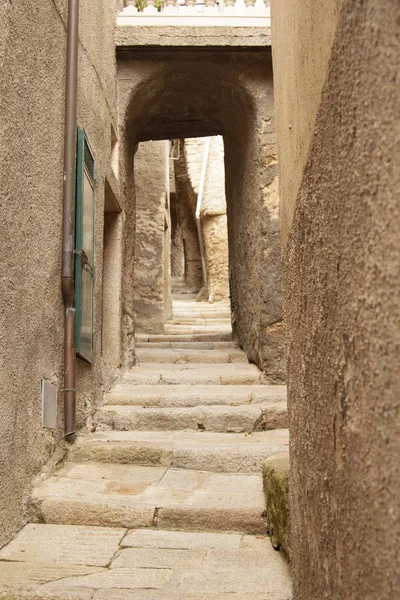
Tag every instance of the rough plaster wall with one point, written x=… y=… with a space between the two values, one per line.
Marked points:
x=177 y=255
x=213 y=211
x=343 y=319
x=186 y=205
x=254 y=233
x=215 y=233
x=31 y=175
x=214 y=221
x=302 y=34
x=149 y=166
x=231 y=92
x=112 y=269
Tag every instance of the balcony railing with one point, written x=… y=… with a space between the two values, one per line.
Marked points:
x=196 y=12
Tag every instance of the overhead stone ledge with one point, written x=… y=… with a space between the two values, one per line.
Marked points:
x=191 y=36
x=276 y=490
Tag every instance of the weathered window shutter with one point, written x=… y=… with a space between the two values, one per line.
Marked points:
x=84 y=247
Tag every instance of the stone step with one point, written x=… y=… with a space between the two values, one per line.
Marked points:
x=175 y=355
x=190 y=307
x=223 y=419
x=188 y=337
x=217 y=321
x=198 y=451
x=121 y=495
x=183 y=290
x=68 y=562
x=178 y=297
x=193 y=374
x=193 y=329
x=194 y=395
x=203 y=303
x=211 y=317
x=199 y=307
x=188 y=345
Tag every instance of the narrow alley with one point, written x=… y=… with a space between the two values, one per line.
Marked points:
x=170 y=496
x=199 y=300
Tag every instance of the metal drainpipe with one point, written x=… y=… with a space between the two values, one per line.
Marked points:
x=198 y=208
x=68 y=233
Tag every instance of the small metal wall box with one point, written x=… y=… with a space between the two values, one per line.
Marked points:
x=49 y=405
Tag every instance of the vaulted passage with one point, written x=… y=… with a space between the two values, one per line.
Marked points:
x=178 y=94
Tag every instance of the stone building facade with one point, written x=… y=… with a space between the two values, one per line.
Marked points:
x=32 y=65
x=336 y=67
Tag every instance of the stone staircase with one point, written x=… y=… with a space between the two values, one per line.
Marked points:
x=165 y=499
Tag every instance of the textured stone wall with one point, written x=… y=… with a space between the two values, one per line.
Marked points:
x=177 y=253
x=148 y=282
x=343 y=317
x=302 y=39
x=186 y=210
x=229 y=93
x=213 y=211
x=32 y=65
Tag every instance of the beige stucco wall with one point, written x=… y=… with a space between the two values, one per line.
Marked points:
x=342 y=310
x=150 y=206
x=302 y=35
x=213 y=211
x=32 y=65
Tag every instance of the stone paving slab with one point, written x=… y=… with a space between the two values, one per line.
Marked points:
x=237 y=419
x=184 y=337
x=194 y=329
x=193 y=374
x=204 y=451
x=227 y=368
x=182 y=540
x=190 y=500
x=194 y=395
x=147 y=565
x=188 y=345
x=181 y=356
x=66 y=545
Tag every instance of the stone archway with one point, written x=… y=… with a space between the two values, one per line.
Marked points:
x=170 y=94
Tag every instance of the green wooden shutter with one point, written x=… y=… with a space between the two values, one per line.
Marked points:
x=84 y=247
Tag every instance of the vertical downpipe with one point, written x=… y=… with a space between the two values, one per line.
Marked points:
x=198 y=210
x=68 y=234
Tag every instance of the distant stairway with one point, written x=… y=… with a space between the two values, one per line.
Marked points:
x=165 y=500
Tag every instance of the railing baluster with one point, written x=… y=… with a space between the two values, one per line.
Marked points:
x=210 y=6
x=150 y=7
x=171 y=6
x=130 y=7
x=229 y=6
x=190 y=6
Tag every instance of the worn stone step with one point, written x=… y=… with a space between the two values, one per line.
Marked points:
x=189 y=337
x=182 y=290
x=193 y=329
x=175 y=355
x=121 y=495
x=209 y=322
x=200 y=313
x=193 y=374
x=199 y=451
x=224 y=419
x=194 y=395
x=195 y=305
x=199 y=318
x=176 y=297
x=188 y=345
x=69 y=562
